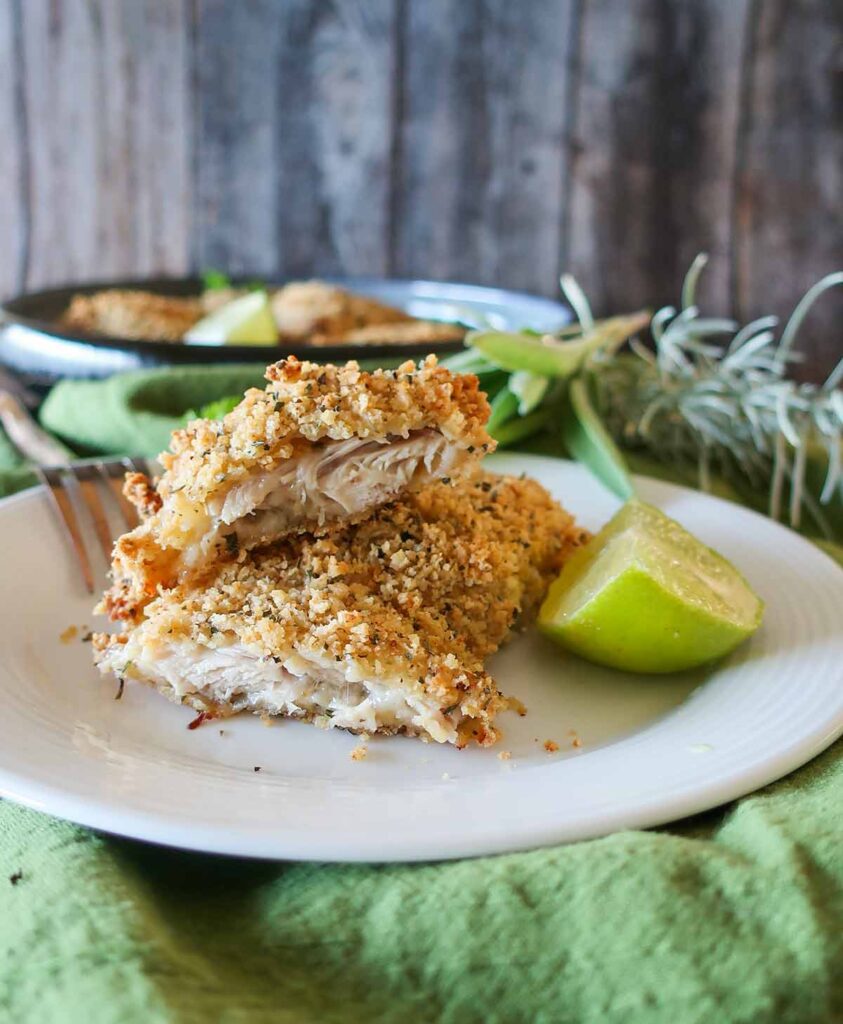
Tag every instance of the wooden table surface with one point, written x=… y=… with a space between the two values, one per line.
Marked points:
x=483 y=140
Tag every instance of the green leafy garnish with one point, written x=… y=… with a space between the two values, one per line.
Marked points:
x=222 y=406
x=213 y=410
x=529 y=389
x=549 y=355
x=589 y=442
x=504 y=406
x=215 y=280
x=707 y=394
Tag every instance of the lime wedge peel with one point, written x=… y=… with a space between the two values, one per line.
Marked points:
x=644 y=595
x=244 y=321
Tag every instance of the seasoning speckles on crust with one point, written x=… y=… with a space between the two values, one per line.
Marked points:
x=124 y=313
x=381 y=626
x=318 y=447
x=311 y=402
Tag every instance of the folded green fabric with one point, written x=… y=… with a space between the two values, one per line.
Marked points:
x=733 y=916
x=134 y=413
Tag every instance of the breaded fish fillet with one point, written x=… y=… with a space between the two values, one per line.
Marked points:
x=123 y=313
x=323 y=314
x=413 y=332
x=317 y=313
x=319 y=446
x=381 y=626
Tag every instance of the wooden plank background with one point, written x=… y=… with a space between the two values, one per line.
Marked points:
x=481 y=140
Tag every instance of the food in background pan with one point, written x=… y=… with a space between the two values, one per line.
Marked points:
x=301 y=312
x=121 y=313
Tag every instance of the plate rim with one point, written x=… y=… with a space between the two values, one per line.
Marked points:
x=106 y=815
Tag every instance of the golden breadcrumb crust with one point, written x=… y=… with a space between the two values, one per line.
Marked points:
x=309 y=402
x=422 y=591
x=412 y=332
x=304 y=404
x=122 y=313
x=322 y=314
x=142 y=493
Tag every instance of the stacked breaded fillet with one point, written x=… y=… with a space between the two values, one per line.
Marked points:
x=331 y=551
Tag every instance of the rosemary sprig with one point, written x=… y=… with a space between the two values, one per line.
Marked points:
x=708 y=394
x=718 y=396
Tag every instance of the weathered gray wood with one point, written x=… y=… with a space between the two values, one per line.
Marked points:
x=485 y=140
x=14 y=204
x=106 y=100
x=481 y=158
x=158 y=37
x=236 y=49
x=293 y=140
x=654 y=124
x=789 y=210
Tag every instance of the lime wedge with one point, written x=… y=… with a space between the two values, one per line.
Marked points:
x=244 y=321
x=644 y=595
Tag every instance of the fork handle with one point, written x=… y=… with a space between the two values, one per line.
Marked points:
x=25 y=434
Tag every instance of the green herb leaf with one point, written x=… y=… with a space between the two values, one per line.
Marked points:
x=222 y=406
x=550 y=357
x=545 y=356
x=214 y=280
x=213 y=410
x=588 y=441
x=529 y=389
x=504 y=407
x=469 y=361
x=522 y=427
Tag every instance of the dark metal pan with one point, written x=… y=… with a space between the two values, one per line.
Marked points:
x=35 y=346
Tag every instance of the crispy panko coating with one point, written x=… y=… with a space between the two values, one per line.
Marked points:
x=414 y=332
x=121 y=313
x=141 y=492
x=310 y=402
x=381 y=626
x=220 y=473
x=323 y=314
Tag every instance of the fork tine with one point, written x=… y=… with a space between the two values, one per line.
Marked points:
x=113 y=473
x=54 y=482
x=87 y=478
x=138 y=465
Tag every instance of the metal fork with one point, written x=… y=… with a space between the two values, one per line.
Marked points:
x=60 y=476
x=90 y=479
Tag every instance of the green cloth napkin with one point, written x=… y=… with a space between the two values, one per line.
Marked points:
x=733 y=916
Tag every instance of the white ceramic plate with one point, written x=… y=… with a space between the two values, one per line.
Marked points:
x=653 y=749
